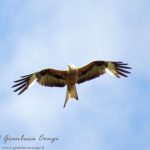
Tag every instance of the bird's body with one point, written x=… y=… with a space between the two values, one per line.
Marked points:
x=72 y=76
x=71 y=80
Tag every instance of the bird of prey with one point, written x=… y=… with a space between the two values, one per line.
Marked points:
x=59 y=78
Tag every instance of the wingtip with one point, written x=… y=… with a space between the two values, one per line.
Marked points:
x=25 y=76
x=118 y=76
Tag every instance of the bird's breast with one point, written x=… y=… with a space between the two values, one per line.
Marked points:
x=72 y=77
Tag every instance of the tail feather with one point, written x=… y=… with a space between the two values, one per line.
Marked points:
x=71 y=93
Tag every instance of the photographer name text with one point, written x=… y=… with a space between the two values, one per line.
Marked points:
x=41 y=138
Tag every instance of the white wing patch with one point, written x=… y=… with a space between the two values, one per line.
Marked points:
x=32 y=80
x=110 y=72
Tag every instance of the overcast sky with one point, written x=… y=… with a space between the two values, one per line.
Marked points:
x=111 y=114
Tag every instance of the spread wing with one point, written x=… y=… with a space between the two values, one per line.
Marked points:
x=97 y=68
x=46 y=77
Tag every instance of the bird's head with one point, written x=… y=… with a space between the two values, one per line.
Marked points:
x=71 y=67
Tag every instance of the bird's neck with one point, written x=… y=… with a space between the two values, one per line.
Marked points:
x=73 y=70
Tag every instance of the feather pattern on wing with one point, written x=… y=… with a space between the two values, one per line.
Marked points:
x=97 y=68
x=46 y=77
x=52 y=77
x=91 y=71
x=24 y=83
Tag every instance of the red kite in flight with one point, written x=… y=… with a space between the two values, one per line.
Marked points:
x=60 y=78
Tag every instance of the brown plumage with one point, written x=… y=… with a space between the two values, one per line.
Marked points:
x=58 y=78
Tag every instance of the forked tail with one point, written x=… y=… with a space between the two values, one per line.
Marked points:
x=71 y=93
